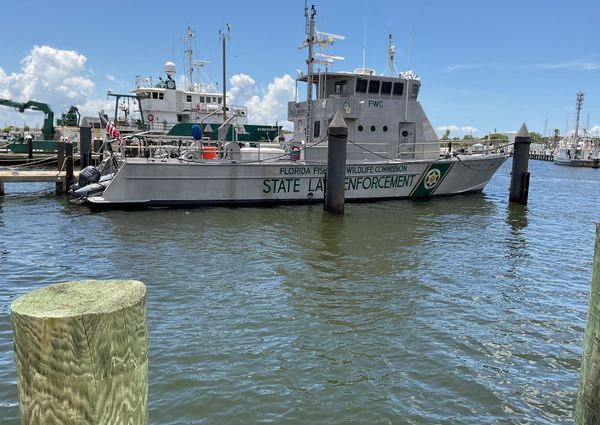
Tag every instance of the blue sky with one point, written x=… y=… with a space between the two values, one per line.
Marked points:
x=484 y=65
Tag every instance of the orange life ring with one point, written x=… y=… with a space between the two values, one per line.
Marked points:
x=150 y=117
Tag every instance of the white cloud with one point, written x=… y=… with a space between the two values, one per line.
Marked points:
x=110 y=77
x=466 y=129
x=264 y=106
x=49 y=75
x=594 y=130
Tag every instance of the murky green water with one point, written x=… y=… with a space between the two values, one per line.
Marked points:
x=455 y=310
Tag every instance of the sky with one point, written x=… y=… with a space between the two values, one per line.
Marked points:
x=485 y=65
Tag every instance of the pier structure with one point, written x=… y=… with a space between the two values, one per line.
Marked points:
x=14 y=176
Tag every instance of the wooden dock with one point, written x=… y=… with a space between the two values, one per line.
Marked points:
x=14 y=176
x=542 y=156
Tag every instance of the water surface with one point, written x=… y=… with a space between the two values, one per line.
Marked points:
x=454 y=310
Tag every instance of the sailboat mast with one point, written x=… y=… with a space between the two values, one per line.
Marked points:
x=309 y=62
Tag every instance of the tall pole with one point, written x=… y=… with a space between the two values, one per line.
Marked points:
x=310 y=62
x=224 y=37
x=578 y=110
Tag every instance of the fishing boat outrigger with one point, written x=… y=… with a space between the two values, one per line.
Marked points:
x=393 y=151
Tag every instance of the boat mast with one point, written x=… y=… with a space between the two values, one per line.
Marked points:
x=188 y=38
x=577 y=111
x=391 y=54
x=310 y=39
x=224 y=37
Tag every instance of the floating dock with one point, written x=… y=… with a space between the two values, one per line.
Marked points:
x=14 y=176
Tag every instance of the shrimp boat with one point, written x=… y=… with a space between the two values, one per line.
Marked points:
x=392 y=152
x=578 y=151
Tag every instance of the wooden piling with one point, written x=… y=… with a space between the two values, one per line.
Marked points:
x=519 y=183
x=29 y=147
x=337 y=134
x=69 y=164
x=587 y=409
x=85 y=146
x=81 y=351
x=60 y=163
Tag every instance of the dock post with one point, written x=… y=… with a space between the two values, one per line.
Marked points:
x=587 y=409
x=29 y=147
x=519 y=183
x=336 y=165
x=60 y=163
x=81 y=353
x=68 y=165
x=85 y=146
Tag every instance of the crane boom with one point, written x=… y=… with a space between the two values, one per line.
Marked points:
x=47 y=126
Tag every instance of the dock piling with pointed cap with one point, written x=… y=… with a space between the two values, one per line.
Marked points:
x=336 y=165
x=81 y=352
x=587 y=409
x=519 y=182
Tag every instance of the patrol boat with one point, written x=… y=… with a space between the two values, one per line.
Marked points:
x=392 y=153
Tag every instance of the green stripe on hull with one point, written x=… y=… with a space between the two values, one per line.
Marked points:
x=430 y=180
x=254 y=133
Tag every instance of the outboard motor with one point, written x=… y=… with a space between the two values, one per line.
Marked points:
x=89 y=175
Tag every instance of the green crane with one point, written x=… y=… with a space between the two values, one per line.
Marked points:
x=47 y=126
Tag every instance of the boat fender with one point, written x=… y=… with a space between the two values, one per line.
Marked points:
x=150 y=117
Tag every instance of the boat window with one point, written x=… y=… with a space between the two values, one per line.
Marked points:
x=219 y=100
x=361 y=85
x=374 y=86
x=317 y=129
x=161 y=96
x=340 y=86
x=201 y=99
x=415 y=91
x=154 y=95
x=385 y=128
x=207 y=99
x=188 y=98
x=386 y=87
x=214 y=100
x=360 y=128
x=398 y=89
x=372 y=128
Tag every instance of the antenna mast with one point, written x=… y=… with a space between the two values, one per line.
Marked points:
x=578 y=109
x=391 y=54
x=322 y=39
x=224 y=37
x=188 y=38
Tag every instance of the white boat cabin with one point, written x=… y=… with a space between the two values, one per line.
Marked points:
x=383 y=115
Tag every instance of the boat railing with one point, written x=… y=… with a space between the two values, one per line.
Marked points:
x=424 y=150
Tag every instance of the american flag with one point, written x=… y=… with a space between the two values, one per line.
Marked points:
x=111 y=130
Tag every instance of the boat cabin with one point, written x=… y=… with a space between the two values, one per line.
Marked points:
x=383 y=115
